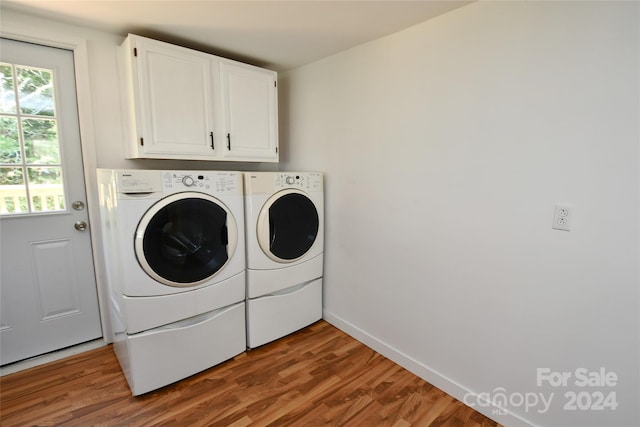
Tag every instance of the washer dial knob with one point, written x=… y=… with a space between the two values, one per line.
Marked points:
x=290 y=180
x=188 y=181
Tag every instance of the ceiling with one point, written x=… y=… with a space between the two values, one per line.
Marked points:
x=279 y=35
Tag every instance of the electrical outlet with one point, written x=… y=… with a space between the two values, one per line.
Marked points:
x=562 y=217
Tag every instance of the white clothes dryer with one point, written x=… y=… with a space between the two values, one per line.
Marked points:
x=175 y=264
x=284 y=214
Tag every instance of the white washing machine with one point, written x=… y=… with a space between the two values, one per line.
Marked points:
x=175 y=262
x=284 y=213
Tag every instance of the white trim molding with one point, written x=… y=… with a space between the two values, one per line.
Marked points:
x=433 y=377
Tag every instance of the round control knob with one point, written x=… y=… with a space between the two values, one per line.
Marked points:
x=188 y=181
x=289 y=180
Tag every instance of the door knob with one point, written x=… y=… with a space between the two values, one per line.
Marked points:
x=77 y=205
x=80 y=225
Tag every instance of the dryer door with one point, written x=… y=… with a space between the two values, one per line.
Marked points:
x=287 y=226
x=185 y=239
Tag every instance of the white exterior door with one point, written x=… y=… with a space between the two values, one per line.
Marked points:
x=48 y=291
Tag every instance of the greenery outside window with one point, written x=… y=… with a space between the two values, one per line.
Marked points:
x=31 y=178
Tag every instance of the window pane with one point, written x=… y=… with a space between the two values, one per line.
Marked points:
x=31 y=172
x=41 y=141
x=35 y=91
x=9 y=142
x=7 y=94
x=45 y=189
x=13 y=193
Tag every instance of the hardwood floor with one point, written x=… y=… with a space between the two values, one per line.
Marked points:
x=316 y=377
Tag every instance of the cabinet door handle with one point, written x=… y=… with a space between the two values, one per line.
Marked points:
x=212 y=146
x=228 y=141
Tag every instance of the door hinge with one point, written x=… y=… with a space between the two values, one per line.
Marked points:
x=135 y=51
x=275 y=83
x=141 y=141
x=276 y=149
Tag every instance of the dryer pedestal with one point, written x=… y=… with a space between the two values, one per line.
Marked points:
x=275 y=315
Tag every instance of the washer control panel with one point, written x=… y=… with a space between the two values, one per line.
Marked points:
x=137 y=181
x=188 y=181
x=202 y=181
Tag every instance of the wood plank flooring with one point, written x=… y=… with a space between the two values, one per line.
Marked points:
x=316 y=377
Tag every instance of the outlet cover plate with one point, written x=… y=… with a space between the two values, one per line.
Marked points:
x=562 y=216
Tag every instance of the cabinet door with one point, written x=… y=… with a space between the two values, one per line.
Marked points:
x=249 y=98
x=173 y=94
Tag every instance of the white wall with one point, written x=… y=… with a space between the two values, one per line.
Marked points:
x=445 y=148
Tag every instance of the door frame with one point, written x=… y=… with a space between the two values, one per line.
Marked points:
x=79 y=46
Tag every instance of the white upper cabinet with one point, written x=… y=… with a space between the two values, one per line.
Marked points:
x=170 y=92
x=186 y=104
x=249 y=105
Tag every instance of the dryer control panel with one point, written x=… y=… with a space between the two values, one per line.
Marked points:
x=266 y=183
x=311 y=181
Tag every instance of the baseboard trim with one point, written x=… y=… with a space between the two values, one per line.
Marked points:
x=432 y=377
x=50 y=357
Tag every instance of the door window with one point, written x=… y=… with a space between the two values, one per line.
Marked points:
x=293 y=226
x=31 y=178
x=184 y=242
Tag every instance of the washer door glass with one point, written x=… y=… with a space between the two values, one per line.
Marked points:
x=184 y=239
x=292 y=226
